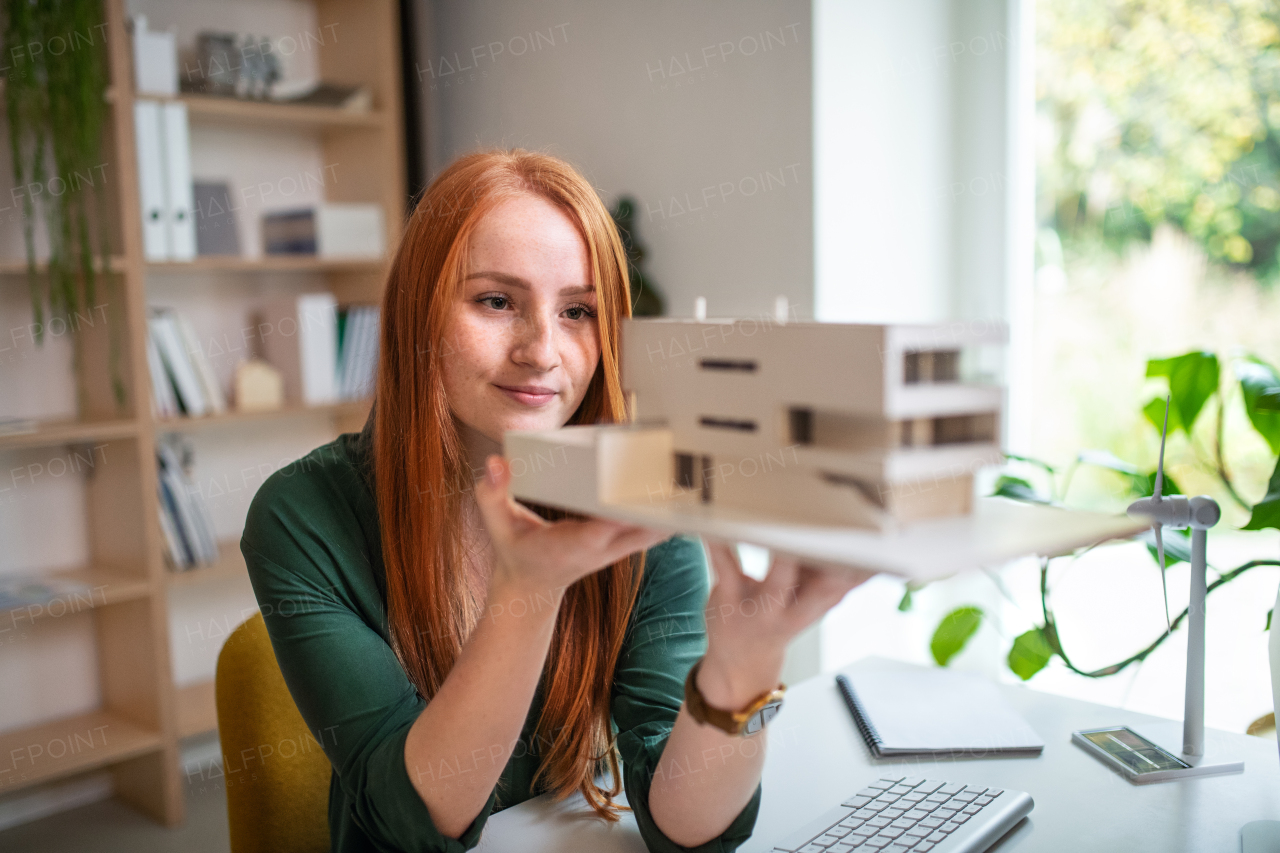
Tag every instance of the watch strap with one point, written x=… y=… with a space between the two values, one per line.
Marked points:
x=749 y=720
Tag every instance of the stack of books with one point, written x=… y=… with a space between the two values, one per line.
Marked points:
x=182 y=380
x=358 y=332
x=184 y=516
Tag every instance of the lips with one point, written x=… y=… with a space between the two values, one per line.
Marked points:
x=529 y=395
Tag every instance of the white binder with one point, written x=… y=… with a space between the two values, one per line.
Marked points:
x=179 y=196
x=150 y=148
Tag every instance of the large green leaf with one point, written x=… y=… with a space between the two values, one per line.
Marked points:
x=1193 y=378
x=1018 y=489
x=1154 y=411
x=1030 y=653
x=1261 y=387
x=953 y=632
x=1031 y=460
x=1266 y=512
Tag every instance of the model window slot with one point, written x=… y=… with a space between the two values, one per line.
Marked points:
x=728 y=423
x=741 y=365
x=684 y=470
x=955 y=429
x=800 y=425
x=931 y=366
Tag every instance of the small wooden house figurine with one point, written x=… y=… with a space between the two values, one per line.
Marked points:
x=859 y=425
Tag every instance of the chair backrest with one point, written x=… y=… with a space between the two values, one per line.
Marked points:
x=276 y=775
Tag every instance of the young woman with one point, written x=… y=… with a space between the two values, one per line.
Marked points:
x=460 y=653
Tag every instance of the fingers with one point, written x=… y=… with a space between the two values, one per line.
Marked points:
x=730 y=580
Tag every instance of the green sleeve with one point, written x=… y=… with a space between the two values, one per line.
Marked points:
x=308 y=559
x=667 y=635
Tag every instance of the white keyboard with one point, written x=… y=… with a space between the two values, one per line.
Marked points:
x=898 y=814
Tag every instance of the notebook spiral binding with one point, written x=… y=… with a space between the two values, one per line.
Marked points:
x=868 y=731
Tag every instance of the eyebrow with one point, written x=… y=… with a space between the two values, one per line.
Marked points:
x=517 y=281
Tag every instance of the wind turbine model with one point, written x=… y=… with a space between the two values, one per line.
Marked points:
x=1198 y=513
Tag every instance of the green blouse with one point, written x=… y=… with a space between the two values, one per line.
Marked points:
x=312 y=545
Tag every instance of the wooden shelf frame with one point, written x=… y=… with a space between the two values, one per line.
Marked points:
x=143 y=713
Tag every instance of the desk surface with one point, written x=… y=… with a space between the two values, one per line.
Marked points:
x=816 y=758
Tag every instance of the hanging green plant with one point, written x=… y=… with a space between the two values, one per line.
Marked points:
x=54 y=101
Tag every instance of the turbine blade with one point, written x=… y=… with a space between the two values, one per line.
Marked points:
x=1164 y=582
x=1160 y=465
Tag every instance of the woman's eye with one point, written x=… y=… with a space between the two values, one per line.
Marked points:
x=492 y=299
x=580 y=312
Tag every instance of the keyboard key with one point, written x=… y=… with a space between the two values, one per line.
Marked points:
x=937 y=798
x=916 y=814
x=856 y=802
x=960 y=818
x=965 y=796
x=878 y=842
x=826 y=840
x=945 y=813
x=936 y=837
x=838 y=831
x=932 y=822
x=900 y=790
x=892 y=780
x=912 y=781
x=950 y=789
x=812 y=848
x=886 y=797
x=842 y=847
x=870 y=792
x=984 y=801
x=878 y=822
x=924 y=848
x=889 y=832
x=865 y=814
x=952 y=825
x=994 y=792
x=913 y=797
x=928 y=786
x=864 y=831
x=893 y=813
x=971 y=809
x=851 y=822
x=919 y=831
x=903 y=823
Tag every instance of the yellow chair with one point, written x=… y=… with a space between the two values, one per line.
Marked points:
x=277 y=777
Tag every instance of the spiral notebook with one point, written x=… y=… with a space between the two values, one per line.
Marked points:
x=935 y=713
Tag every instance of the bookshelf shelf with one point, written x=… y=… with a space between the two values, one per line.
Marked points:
x=53 y=433
x=230 y=565
x=280 y=263
x=60 y=748
x=135 y=736
x=344 y=409
x=211 y=109
x=107 y=587
x=11 y=268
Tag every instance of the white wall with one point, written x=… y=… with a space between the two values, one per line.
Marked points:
x=699 y=110
x=910 y=178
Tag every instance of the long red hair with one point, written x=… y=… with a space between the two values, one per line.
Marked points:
x=422 y=477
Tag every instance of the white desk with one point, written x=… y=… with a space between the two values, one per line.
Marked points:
x=816 y=758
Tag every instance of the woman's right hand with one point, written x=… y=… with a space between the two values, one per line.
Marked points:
x=540 y=557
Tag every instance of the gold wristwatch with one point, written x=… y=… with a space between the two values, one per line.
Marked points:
x=748 y=721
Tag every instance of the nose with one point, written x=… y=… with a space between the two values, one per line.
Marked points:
x=536 y=345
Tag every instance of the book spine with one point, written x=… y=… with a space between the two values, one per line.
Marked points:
x=860 y=718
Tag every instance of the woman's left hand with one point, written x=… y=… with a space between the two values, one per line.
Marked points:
x=750 y=622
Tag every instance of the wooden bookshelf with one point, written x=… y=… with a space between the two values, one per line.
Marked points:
x=277 y=263
x=336 y=410
x=135 y=733
x=230 y=566
x=61 y=748
x=54 y=433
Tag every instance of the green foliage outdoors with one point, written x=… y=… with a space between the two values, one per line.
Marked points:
x=1195 y=389
x=1162 y=111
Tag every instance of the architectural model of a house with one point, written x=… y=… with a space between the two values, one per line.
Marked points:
x=834 y=424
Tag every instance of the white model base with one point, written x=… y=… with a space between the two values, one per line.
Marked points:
x=1168 y=736
x=1260 y=836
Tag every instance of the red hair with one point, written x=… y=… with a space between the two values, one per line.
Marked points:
x=422 y=475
